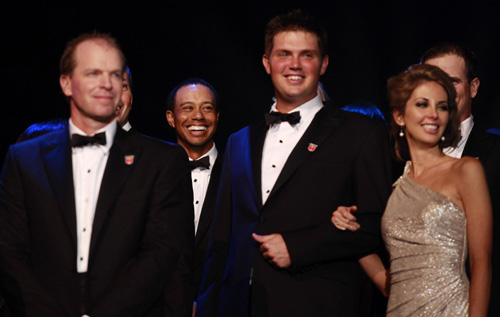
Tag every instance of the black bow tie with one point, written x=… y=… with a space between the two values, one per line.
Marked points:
x=277 y=117
x=78 y=140
x=203 y=163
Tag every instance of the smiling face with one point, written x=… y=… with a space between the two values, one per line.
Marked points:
x=194 y=119
x=454 y=66
x=95 y=85
x=125 y=106
x=425 y=115
x=295 y=65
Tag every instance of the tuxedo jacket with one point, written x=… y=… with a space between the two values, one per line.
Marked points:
x=205 y=222
x=142 y=237
x=342 y=159
x=486 y=147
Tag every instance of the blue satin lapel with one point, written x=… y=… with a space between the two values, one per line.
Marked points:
x=253 y=159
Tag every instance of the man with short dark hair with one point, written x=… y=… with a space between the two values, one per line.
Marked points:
x=273 y=251
x=193 y=111
x=461 y=64
x=95 y=221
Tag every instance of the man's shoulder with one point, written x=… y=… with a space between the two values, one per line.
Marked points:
x=149 y=142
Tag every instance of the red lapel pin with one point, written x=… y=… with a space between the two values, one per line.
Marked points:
x=312 y=147
x=129 y=159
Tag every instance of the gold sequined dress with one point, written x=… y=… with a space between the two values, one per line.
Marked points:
x=425 y=235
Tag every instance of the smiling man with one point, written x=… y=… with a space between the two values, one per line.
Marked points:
x=193 y=111
x=94 y=220
x=273 y=251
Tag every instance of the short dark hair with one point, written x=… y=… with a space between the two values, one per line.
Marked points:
x=188 y=82
x=295 y=20
x=399 y=90
x=470 y=58
x=68 y=63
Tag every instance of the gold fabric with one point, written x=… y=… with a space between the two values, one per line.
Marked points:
x=425 y=235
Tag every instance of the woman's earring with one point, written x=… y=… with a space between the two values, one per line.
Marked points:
x=401 y=133
x=443 y=138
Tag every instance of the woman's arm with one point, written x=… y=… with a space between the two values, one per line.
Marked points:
x=475 y=197
x=374 y=268
x=343 y=219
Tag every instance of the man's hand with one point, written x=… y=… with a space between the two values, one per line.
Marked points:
x=273 y=249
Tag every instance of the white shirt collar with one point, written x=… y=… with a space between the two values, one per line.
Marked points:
x=466 y=127
x=212 y=155
x=307 y=110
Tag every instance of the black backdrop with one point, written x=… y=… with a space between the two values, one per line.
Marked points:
x=165 y=42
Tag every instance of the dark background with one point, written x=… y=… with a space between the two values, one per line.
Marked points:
x=166 y=42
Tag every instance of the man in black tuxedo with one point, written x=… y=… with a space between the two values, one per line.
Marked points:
x=273 y=251
x=193 y=111
x=95 y=221
x=461 y=64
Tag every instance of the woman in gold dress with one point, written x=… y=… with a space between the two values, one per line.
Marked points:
x=439 y=211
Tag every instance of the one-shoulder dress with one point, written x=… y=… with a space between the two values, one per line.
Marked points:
x=425 y=235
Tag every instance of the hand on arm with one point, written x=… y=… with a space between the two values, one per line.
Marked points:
x=343 y=218
x=273 y=249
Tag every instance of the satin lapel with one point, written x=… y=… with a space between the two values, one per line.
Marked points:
x=56 y=155
x=324 y=123
x=122 y=160
x=254 y=159
x=207 y=211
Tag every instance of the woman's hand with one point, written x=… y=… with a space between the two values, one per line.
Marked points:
x=343 y=218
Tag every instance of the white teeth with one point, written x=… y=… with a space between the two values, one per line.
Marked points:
x=197 y=128
x=430 y=126
x=295 y=77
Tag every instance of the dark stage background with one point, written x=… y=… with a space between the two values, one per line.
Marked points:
x=167 y=42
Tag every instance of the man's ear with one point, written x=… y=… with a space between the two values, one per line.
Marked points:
x=170 y=118
x=474 y=87
x=324 y=64
x=267 y=65
x=65 y=83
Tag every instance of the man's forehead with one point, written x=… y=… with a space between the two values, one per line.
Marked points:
x=95 y=46
x=449 y=63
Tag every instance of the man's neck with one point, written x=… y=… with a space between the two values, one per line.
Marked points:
x=195 y=153
x=288 y=106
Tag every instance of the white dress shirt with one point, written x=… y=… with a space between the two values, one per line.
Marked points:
x=200 y=179
x=280 y=140
x=465 y=129
x=89 y=163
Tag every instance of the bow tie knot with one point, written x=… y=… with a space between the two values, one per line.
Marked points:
x=203 y=163
x=278 y=117
x=78 y=140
